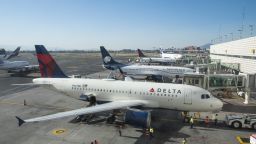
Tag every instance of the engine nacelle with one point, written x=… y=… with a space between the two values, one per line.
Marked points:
x=138 y=118
x=89 y=98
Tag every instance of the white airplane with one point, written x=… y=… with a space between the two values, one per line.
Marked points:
x=173 y=56
x=119 y=94
x=18 y=67
x=142 y=70
x=145 y=59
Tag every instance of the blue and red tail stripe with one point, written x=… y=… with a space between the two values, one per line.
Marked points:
x=47 y=65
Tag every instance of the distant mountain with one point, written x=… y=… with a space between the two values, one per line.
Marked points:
x=206 y=46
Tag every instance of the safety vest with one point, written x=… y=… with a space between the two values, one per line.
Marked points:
x=191 y=120
x=151 y=130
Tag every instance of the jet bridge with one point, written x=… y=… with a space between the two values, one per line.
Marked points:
x=215 y=81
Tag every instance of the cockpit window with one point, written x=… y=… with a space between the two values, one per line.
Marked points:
x=205 y=96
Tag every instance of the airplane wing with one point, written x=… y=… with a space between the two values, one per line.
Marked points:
x=87 y=110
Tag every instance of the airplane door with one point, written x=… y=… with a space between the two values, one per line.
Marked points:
x=187 y=96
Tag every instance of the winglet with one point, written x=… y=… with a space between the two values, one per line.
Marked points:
x=20 y=121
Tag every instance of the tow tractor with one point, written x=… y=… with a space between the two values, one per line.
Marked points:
x=241 y=121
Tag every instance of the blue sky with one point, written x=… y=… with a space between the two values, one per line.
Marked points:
x=121 y=24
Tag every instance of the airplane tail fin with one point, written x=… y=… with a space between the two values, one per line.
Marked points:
x=161 y=50
x=14 y=53
x=47 y=65
x=106 y=57
x=140 y=53
x=2 y=52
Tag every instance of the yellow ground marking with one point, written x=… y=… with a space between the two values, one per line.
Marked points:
x=58 y=132
x=240 y=140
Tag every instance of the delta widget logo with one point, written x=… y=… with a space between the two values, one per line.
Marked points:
x=152 y=90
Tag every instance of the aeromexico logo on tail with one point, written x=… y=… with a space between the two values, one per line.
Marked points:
x=107 y=59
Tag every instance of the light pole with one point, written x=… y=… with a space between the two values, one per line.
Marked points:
x=240 y=33
x=251 y=28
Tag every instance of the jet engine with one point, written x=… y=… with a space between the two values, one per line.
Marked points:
x=138 y=118
x=88 y=98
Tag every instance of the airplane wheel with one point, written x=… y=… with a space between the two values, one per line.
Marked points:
x=236 y=124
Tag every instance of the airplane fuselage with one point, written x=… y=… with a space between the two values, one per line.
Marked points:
x=158 y=95
x=171 y=55
x=166 y=71
x=12 y=65
x=156 y=60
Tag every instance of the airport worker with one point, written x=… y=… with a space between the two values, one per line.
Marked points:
x=183 y=116
x=146 y=132
x=151 y=131
x=206 y=121
x=247 y=120
x=215 y=119
x=191 y=121
x=119 y=130
x=184 y=141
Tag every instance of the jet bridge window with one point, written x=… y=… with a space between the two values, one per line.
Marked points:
x=205 y=96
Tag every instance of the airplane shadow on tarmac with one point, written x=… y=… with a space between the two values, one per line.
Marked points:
x=166 y=124
x=229 y=107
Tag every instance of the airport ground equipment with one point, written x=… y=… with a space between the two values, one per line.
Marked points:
x=138 y=118
x=241 y=121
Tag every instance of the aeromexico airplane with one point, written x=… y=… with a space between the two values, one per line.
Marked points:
x=142 y=70
x=119 y=94
x=145 y=59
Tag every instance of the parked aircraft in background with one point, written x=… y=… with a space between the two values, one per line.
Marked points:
x=145 y=59
x=16 y=67
x=6 y=56
x=142 y=70
x=119 y=94
x=173 y=56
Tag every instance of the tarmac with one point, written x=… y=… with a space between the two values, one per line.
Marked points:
x=39 y=101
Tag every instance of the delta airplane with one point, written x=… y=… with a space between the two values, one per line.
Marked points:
x=145 y=59
x=119 y=94
x=142 y=70
x=173 y=56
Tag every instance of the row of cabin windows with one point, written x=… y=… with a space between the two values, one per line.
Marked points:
x=119 y=91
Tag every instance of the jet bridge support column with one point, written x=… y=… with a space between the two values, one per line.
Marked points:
x=247 y=96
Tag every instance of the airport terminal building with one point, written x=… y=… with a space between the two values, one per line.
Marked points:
x=238 y=55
